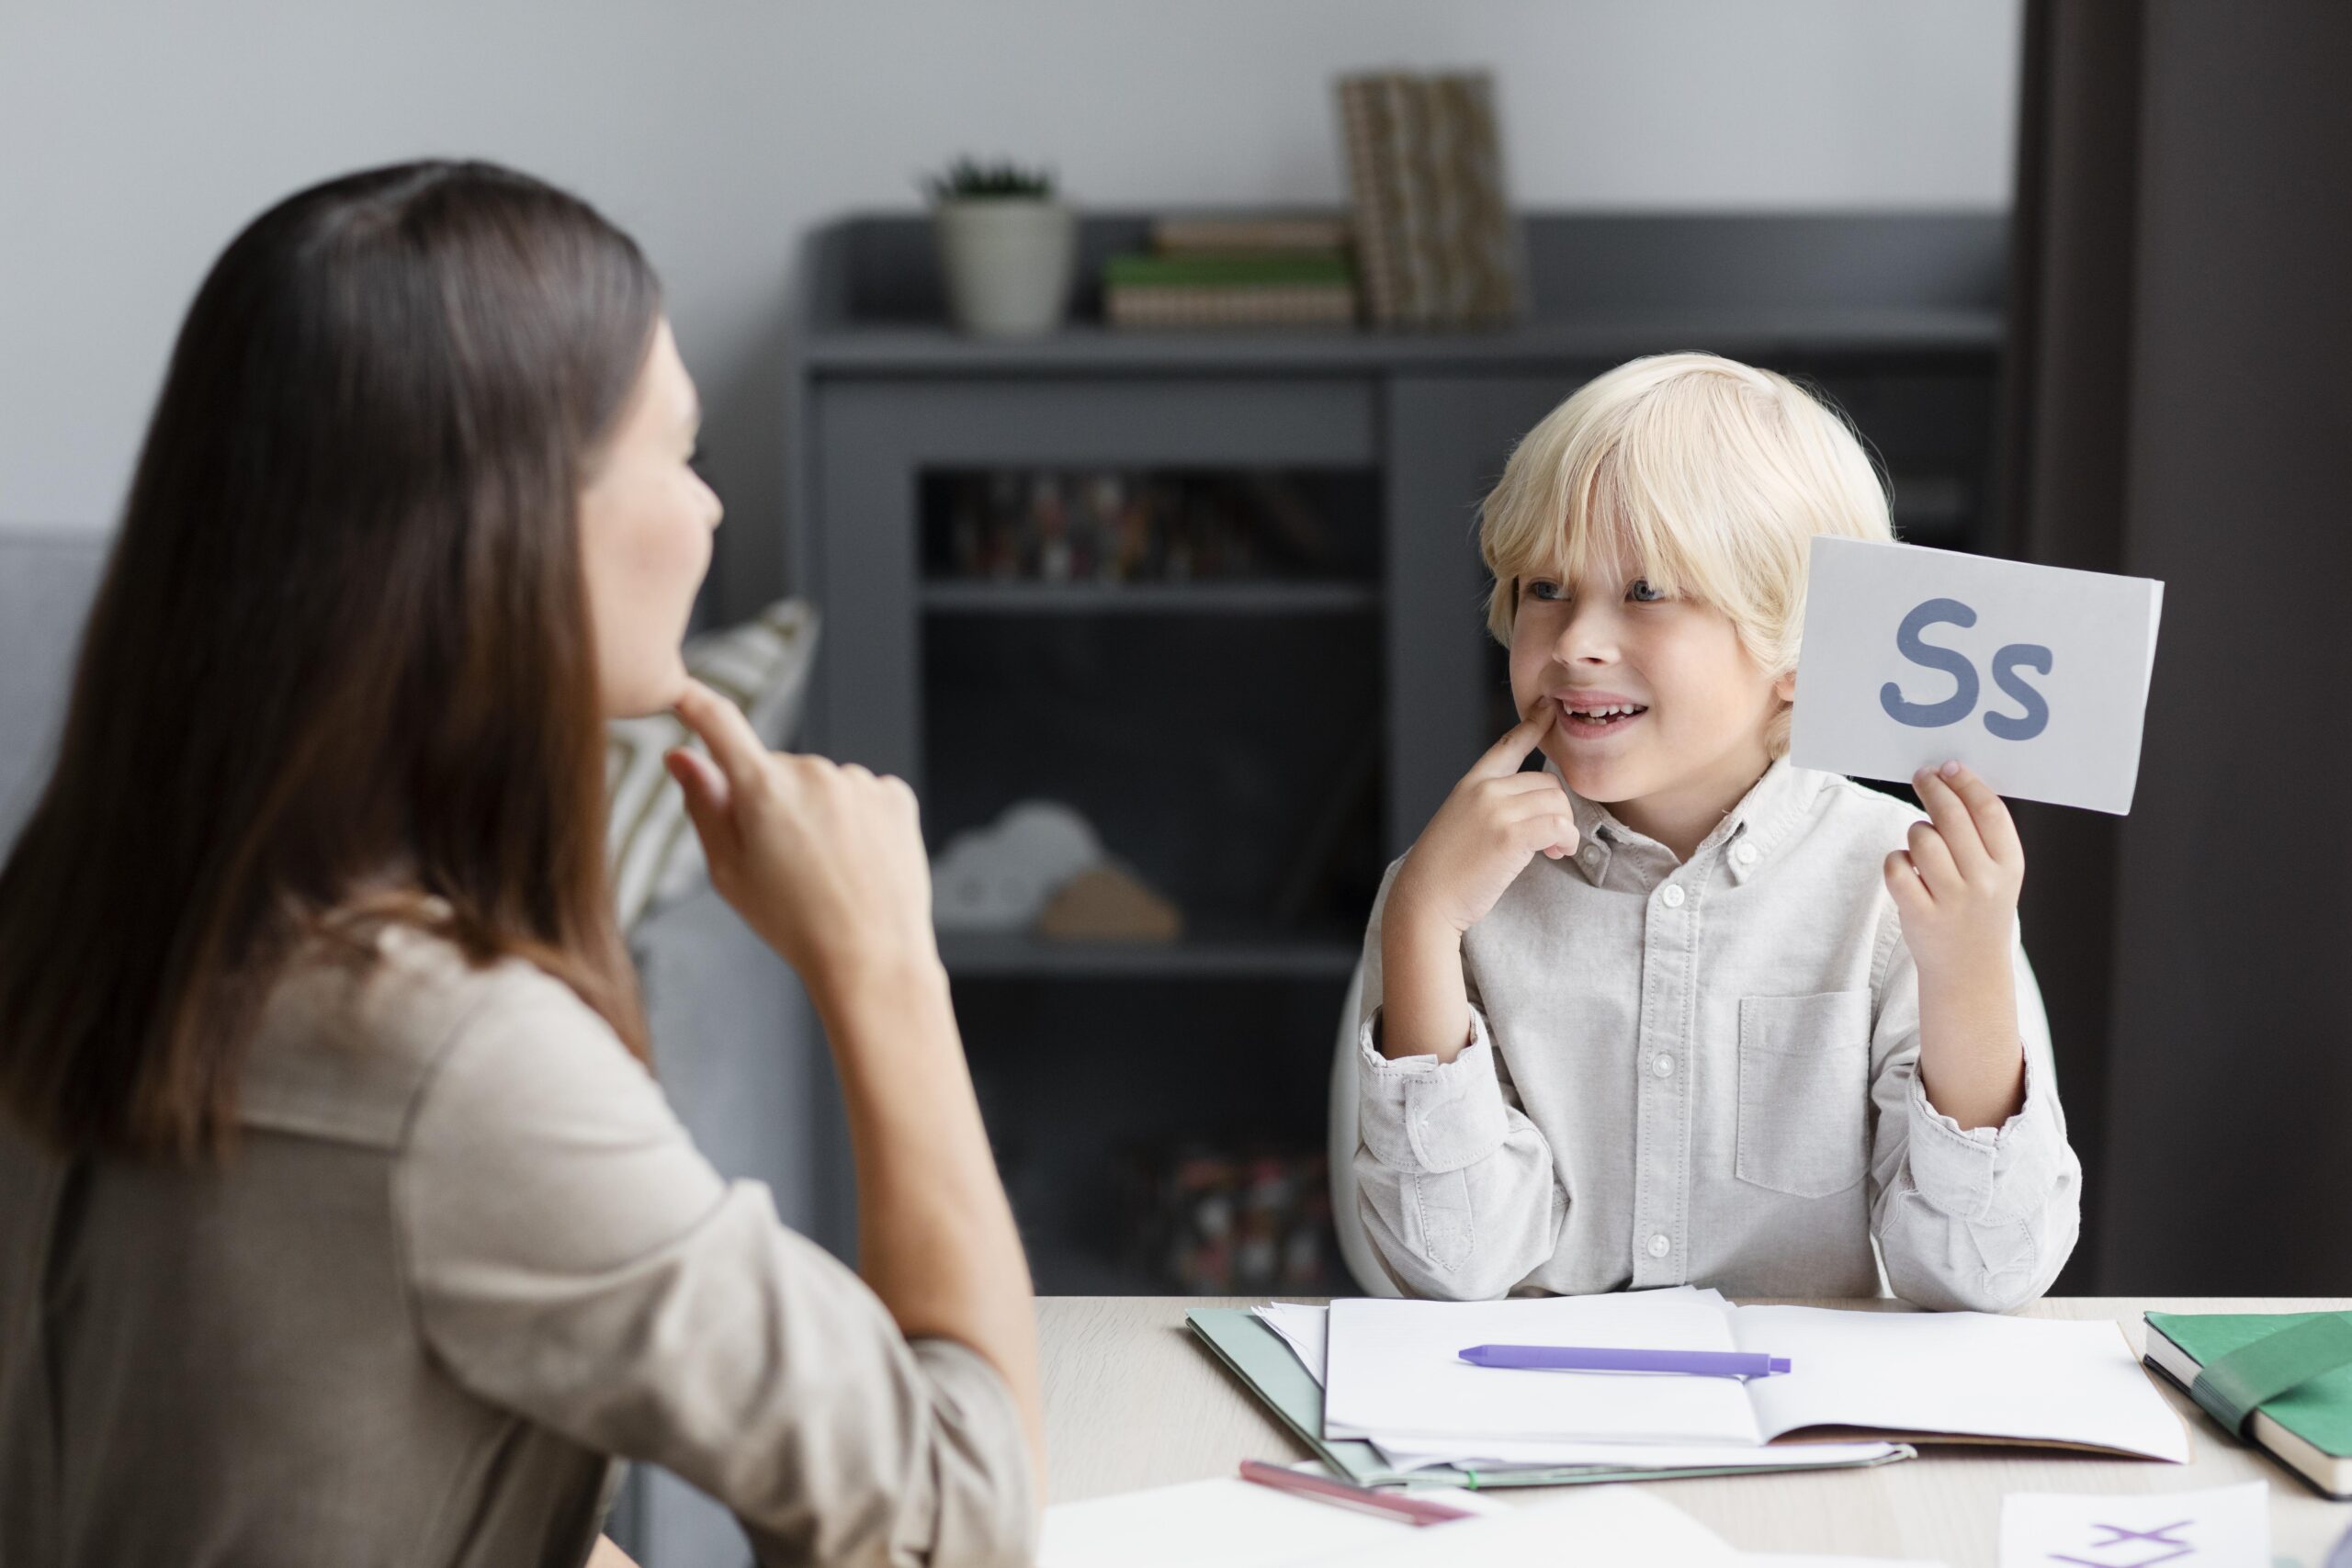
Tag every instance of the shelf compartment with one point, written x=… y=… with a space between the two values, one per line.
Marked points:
x=1073 y=527
x=1231 y=763
x=1150 y=598
x=1095 y=1095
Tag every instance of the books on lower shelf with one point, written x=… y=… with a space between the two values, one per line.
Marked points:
x=2305 y=1425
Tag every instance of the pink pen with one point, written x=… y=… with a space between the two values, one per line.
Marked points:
x=1348 y=1494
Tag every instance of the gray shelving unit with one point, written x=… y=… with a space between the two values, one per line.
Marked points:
x=1261 y=747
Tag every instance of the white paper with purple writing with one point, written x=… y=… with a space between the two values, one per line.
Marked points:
x=2225 y=1527
x=2034 y=676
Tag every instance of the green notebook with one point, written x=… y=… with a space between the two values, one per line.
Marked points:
x=1257 y=1354
x=2280 y=1380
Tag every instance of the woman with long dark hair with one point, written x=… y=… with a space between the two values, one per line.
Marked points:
x=340 y=1219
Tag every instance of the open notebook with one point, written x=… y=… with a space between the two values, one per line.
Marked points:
x=1302 y=1327
x=1393 y=1375
x=1277 y=1372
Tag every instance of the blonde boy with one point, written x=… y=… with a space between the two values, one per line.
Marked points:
x=1672 y=1011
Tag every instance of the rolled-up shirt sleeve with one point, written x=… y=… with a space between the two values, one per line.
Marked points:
x=574 y=1257
x=1968 y=1218
x=1454 y=1184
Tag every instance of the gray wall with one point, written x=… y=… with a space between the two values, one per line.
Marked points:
x=136 y=138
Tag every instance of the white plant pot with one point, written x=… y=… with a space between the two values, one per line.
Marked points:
x=1007 y=261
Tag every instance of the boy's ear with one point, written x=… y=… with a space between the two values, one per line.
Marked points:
x=1785 y=688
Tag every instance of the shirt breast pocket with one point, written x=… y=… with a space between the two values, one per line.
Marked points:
x=1804 y=1092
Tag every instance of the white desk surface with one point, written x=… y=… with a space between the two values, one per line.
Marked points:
x=1132 y=1399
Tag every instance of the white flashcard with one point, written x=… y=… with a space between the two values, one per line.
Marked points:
x=2034 y=676
x=2225 y=1527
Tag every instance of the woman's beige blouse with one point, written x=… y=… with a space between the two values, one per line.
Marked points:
x=465 y=1256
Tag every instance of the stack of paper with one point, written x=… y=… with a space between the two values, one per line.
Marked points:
x=1304 y=1328
x=1392 y=1374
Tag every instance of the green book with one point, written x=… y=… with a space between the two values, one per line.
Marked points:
x=1228 y=271
x=1257 y=1354
x=2280 y=1380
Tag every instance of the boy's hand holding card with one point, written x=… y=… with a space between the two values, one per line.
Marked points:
x=2035 y=677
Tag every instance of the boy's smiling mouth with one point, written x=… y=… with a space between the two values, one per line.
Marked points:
x=1593 y=714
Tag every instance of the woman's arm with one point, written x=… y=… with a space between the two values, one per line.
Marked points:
x=827 y=865
x=935 y=1235
x=572 y=1258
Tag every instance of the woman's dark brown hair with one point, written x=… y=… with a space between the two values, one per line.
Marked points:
x=341 y=656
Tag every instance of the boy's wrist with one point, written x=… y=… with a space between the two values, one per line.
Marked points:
x=1965 y=967
x=1414 y=930
x=1426 y=1012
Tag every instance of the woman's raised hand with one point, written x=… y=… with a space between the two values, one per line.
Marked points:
x=824 y=861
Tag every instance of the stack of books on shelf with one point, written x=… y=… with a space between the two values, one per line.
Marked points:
x=1435 y=241
x=1216 y=272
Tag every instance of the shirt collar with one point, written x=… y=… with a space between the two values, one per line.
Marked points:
x=1749 y=834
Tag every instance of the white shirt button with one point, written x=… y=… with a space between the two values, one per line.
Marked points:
x=1745 y=854
x=1591 y=854
x=1662 y=1064
x=1660 y=1245
x=1673 y=896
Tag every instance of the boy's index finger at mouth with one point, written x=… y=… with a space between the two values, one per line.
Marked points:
x=1506 y=754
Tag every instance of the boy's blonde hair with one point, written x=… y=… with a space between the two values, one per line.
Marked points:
x=1714 y=475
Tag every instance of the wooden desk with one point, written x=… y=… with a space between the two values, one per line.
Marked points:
x=1132 y=1401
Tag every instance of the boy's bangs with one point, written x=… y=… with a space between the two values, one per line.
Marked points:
x=1610 y=526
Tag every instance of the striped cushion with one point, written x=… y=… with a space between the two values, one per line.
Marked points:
x=762 y=665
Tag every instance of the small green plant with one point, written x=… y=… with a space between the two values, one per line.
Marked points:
x=968 y=179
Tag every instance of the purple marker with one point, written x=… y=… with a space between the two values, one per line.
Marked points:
x=1594 y=1358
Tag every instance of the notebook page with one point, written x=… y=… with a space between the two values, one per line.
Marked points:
x=1300 y=1324
x=1301 y=1327
x=1965 y=1372
x=1404 y=1454
x=1393 y=1369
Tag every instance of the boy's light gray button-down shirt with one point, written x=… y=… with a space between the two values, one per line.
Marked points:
x=1705 y=1073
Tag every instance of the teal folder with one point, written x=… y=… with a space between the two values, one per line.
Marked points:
x=1258 y=1355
